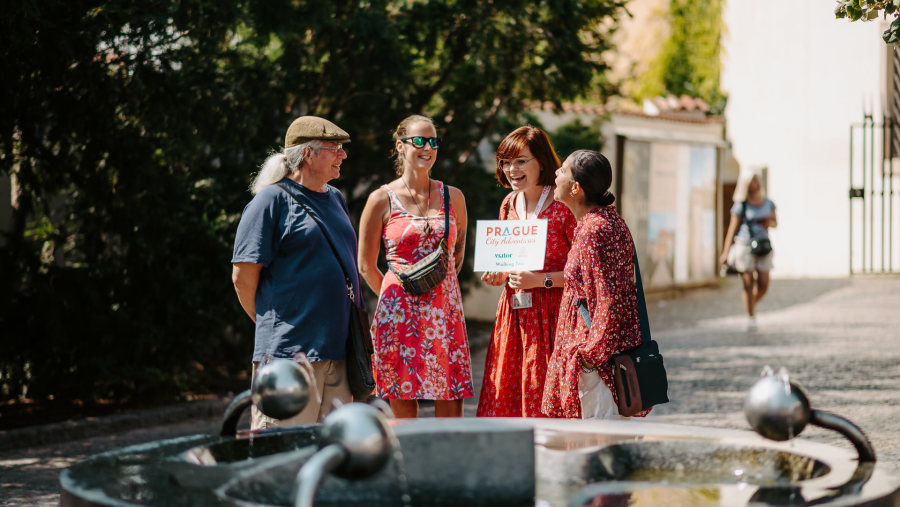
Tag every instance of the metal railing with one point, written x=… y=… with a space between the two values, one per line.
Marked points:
x=873 y=151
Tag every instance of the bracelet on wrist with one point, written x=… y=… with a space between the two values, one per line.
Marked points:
x=586 y=368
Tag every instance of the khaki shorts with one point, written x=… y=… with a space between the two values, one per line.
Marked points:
x=742 y=259
x=331 y=384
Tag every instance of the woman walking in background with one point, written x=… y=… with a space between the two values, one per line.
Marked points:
x=751 y=216
x=421 y=346
x=522 y=340
x=599 y=281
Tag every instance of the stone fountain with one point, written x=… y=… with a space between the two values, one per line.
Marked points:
x=360 y=456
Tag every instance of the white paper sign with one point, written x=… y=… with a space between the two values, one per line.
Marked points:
x=510 y=245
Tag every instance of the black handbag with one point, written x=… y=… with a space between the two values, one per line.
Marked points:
x=360 y=347
x=638 y=373
x=758 y=247
x=429 y=271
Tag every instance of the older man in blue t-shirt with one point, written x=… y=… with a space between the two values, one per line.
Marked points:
x=287 y=277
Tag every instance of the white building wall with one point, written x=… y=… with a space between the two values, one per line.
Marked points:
x=797 y=78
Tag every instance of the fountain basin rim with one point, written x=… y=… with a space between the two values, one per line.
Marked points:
x=843 y=462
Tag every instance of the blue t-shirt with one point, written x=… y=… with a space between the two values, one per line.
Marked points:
x=301 y=299
x=754 y=214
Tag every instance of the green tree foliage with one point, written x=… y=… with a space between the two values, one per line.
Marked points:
x=689 y=62
x=130 y=131
x=566 y=138
x=575 y=135
x=867 y=10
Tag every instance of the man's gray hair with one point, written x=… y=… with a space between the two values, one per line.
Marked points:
x=281 y=164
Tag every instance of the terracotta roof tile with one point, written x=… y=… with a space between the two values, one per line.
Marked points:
x=680 y=109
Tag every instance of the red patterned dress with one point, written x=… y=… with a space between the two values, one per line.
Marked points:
x=421 y=346
x=600 y=270
x=522 y=340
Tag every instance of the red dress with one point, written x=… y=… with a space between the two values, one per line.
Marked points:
x=421 y=346
x=600 y=270
x=522 y=340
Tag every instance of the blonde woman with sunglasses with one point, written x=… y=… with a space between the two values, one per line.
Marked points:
x=421 y=346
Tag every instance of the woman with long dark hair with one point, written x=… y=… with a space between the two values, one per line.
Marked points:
x=599 y=282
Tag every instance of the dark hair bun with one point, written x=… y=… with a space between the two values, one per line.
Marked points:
x=593 y=172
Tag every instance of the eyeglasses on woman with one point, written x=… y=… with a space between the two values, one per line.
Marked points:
x=516 y=162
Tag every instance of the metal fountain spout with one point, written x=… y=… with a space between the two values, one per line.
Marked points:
x=281 y=389
x=355 y=439
x=356 y=443
x=779 y=410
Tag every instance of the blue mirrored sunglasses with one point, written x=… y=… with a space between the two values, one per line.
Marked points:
x=419 y=141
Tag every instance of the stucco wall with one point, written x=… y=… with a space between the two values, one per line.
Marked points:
x=796 y=79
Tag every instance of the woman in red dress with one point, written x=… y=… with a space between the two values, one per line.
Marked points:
x=600 y=273
x=522 y=339
x=421 y=346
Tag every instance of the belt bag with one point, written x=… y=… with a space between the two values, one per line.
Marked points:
x=426 y=274
x=429 y=271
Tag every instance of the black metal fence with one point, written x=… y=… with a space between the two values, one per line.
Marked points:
x=874 y=197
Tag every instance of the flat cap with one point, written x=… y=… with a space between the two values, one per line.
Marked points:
x=312 y=128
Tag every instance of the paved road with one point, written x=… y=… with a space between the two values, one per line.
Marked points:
x=837 y=338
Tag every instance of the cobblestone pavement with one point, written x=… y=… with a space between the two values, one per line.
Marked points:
x=837 y=338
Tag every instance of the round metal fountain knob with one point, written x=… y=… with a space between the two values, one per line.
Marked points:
x=280 y=389
x=776 y=409
x=362 y=431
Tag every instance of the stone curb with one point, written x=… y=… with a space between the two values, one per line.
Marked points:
x=93 y=426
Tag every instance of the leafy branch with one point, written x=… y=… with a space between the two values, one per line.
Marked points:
x=868 y=10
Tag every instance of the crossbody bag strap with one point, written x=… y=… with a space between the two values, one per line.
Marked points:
x=350 y=292
x=744 y=219
x=642 y=303
x=446 y=212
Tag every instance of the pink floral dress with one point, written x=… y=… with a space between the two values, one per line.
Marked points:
x=421 y=345
x=522 y=340
x=600 y=271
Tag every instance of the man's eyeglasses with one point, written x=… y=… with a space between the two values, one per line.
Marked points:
x=517 y=162
x=333 y=148
x=419 y=141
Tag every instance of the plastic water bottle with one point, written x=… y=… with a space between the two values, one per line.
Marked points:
x=723 y=271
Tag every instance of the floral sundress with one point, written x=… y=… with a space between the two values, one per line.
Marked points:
x=421 y=345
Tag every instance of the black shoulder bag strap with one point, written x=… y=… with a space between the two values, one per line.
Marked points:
x=350 y=292
x=446 y=214
x=642 y=304
x=744 y=219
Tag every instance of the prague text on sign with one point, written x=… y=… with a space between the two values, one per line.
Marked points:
x=510 y=245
